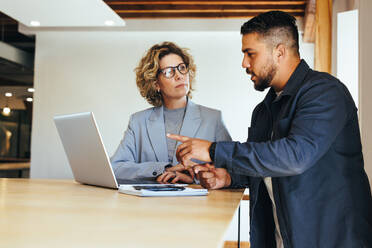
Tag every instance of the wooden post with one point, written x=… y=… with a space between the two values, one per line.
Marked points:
x=309 y=22
x=323 y=36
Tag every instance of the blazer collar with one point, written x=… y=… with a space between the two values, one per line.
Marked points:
x=191 y=121
x=156 y=129
x=156 y=132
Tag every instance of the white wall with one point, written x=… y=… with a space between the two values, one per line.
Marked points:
x=347 y=52
x=337 y=7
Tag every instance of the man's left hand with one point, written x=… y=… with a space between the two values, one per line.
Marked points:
x=211 y=177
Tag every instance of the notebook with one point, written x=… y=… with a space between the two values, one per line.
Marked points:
x=86 y=152
x=161 y=190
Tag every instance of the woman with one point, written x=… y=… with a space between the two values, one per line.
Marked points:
x=164 y=78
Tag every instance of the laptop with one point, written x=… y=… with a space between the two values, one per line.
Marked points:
x=86 y=153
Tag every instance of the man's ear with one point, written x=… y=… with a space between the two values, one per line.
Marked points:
x=280 y=52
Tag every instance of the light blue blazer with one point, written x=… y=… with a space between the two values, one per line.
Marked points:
x=143 y=152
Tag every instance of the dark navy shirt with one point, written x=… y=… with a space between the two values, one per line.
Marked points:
x=311 y=148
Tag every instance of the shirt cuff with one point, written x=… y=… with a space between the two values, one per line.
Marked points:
x=167 y=166
x=212 y=150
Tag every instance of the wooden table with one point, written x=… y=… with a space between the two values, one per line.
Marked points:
x=62 y=213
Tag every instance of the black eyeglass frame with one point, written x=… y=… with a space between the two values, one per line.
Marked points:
x=173 y=72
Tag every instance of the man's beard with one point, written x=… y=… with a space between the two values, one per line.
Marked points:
x=263 y=80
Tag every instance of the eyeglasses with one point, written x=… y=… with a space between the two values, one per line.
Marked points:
x=170 y=71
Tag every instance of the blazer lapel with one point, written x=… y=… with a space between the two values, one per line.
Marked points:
x=191 y=123
x=156 y=132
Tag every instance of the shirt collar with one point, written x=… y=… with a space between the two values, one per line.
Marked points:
x=293 y=84
x=296 y=79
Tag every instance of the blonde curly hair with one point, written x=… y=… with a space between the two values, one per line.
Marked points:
x=148 y=69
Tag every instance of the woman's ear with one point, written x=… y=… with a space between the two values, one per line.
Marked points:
x=157 y=86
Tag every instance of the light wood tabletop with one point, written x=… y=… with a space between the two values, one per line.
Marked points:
x=63 y=213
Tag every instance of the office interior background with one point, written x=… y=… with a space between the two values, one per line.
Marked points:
x=62 y=57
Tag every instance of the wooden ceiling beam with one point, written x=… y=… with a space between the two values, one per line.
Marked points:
x=254 y=3
x=203 y=8
x=193 y=15
x=204 y=11
x=207 y=7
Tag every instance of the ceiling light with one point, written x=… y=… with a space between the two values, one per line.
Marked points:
x=29 y=99
x=6 y=111
x=31 y=90
x=35 y=23
x=109 y=23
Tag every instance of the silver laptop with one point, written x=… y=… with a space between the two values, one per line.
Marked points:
x=86 y=153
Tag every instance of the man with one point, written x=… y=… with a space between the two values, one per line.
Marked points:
x=303 y=160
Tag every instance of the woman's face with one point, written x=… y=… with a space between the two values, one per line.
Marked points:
x=176 y=86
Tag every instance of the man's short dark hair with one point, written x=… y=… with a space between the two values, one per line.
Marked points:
x=275 y=27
